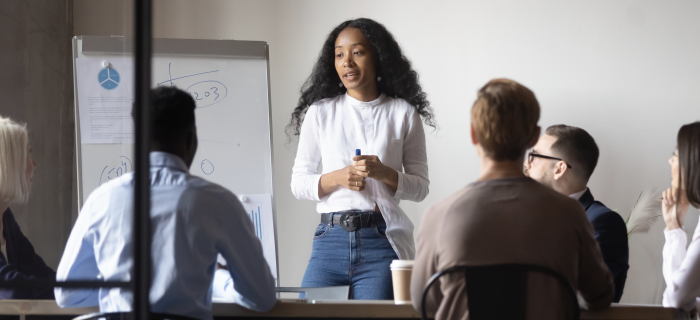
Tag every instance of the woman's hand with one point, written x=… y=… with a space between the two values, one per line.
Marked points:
x=674 y=209
x=347 y=177
x=372 y=167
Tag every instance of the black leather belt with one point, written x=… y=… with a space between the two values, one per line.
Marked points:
x=352 y=220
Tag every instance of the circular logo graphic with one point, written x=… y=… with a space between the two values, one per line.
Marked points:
x=108 y=78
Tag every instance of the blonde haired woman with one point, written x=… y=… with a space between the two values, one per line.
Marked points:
x=18 y=259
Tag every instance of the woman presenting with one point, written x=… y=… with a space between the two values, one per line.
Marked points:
x=18 y=259
x=362 y=94
x=681 y=266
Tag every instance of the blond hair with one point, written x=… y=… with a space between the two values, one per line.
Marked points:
x=505 y=116
x=13 y=161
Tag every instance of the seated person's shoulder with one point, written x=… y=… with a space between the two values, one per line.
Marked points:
x=449 y=205
x=599 y=213
x=548 y=197
x=201 y=191
x=107 y=188
x=554 y=205
x=95 y=204
x=598 y=208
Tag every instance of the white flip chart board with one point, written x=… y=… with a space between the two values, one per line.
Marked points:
x=229 y=81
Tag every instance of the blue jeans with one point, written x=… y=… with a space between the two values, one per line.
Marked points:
x=360 y=259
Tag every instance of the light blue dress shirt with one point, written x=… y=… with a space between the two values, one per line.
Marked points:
x=193 y=221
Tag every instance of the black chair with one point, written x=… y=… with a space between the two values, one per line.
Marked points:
x=500 y=291
x=129 y=316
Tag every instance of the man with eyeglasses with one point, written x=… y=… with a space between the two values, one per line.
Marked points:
x=564 y=159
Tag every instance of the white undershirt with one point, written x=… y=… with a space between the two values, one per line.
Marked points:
x=386 y=127
x=578 y=195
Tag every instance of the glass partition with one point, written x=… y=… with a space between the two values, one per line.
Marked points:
x=70 y=91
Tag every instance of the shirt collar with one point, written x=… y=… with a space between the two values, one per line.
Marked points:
x=357 y=103
x=164 y=159
x=578 y=195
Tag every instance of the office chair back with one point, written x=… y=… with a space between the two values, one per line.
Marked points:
x=500 y=291
x=129 y=316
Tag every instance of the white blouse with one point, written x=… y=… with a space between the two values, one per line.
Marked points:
x=681 y=269
x=386 y=127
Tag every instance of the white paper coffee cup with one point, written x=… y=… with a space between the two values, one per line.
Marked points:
x=401 y=271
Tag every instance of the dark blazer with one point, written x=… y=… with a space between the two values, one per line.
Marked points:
x=611 y=234
x=22 y=263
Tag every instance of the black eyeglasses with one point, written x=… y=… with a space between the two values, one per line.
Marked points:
x=531 y=156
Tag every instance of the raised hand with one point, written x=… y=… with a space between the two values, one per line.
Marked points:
x=674 y=209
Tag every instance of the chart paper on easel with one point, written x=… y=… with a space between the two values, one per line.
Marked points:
x=105 y=97
x=259 y=210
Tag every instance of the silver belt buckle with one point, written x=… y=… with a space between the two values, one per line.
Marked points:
x=344 y=222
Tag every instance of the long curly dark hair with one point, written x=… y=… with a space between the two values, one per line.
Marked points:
x=398 y=77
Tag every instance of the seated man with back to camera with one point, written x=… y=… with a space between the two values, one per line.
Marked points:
x=192 y=221
x=564 y=159
x=507 y=218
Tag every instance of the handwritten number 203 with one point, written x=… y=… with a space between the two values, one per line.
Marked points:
x=207 y=93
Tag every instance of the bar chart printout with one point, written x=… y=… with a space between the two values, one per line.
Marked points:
x=257 y=222
x=258 y=207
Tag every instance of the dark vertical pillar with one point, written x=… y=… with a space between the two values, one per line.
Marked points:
x=142 y=188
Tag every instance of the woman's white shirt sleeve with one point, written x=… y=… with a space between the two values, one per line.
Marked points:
x=413 y=182
x=305 y=176
x=681 y=269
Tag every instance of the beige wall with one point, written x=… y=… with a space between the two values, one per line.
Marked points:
x=627 y=71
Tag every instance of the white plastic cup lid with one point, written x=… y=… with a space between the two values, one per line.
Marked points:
x=402 y=264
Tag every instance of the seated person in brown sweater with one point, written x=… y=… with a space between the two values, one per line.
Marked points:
x=505 y=217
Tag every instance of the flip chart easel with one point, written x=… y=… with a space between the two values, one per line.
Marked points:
x=229 y=81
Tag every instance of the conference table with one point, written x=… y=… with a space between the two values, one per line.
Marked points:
x=351 y=309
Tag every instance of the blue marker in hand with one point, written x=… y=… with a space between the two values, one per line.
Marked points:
x=357 y=153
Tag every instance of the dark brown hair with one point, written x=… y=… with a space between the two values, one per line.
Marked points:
x=689 y=161
x=505 y=116
x=576 y=147
x=399 y=79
